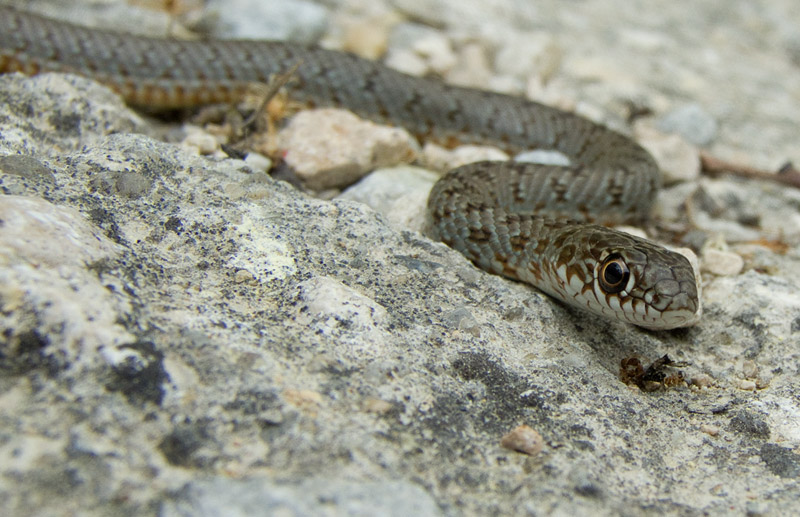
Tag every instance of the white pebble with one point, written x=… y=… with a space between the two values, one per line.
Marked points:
x=721 y=263
x=747 y=385
x=678 y=160
x=200 y=141
x=258 y=162
x=330 y=148
x=441 y=159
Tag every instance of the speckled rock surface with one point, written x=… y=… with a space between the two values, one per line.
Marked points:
x=183 y=335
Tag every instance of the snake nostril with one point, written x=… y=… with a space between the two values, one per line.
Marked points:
x=614 y=274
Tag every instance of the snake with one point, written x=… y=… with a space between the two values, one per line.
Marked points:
x=545 y=225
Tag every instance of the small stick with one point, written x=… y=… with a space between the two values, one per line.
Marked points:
x=786 y=175
x=273 y=87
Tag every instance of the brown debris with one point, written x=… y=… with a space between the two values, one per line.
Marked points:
x=523 y=439
x=654 y=377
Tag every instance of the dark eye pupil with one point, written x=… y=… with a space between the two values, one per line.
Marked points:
x=613 y=273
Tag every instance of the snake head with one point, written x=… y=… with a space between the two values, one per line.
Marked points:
x=629 y=279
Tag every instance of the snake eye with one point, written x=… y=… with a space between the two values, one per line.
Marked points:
x=614 y=274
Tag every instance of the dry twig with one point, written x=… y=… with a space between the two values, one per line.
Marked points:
x=786 y=175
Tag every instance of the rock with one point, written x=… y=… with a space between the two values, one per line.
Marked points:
x=702 y=381
x=296 y=20
x=54 y=124
x=735 y=210
x=321 y=496
x=678 y=160
x=419 y=50
x=258 y=162
x=330 y=302
x=408 y=62
x=544 y=157
x=523 y=439
x=671 y=204
x=368 y=37
x=330 y=148
x=119 y=16
x=722 y=263
x=466 y=13
x=438 y=158
x=473 y=69
x=747 y=385
x=399 y=193
x=529 y=51
x=200 y=141
x=691 y=122
x=432 y=48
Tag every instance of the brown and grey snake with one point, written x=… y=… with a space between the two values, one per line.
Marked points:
x=521 y=220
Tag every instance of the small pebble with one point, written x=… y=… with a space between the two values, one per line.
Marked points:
x=406 y=61
x=242 y=275
x=379 y=406
x=462 y=319
x=439 y=158
x=747 y=385
x=473 y=69
x=368 y=37
x=711 y=430
x=419 y=50
x=437 y=53
x=632 y=230
x=258 y=162
x=200 y=141
x=678 y=160
x=544 y=156
x=691 y=122
x=721 y=263
x=758 y=509
x=330 y=148
x=302 y=21
x=26 y=167
x=701 y=380
x=399 y=193
x=762 y=382
x=749 y=369
x=718 y=490
x=527 y=51
x=523 y=439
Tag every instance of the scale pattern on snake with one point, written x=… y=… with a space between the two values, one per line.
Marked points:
x=525 y=221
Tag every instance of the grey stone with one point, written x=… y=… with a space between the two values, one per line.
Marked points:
x=692 y=122
x=781 y=461
x=296 y=20
x=26 y=167
x=329 y=497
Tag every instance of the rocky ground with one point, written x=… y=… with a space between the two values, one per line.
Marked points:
x=183 y=334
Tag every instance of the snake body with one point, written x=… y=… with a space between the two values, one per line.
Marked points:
x=526 y=221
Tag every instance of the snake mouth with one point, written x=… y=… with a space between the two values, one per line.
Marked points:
x=673 y=320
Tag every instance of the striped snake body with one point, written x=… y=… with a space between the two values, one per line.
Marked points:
x=521 y=220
